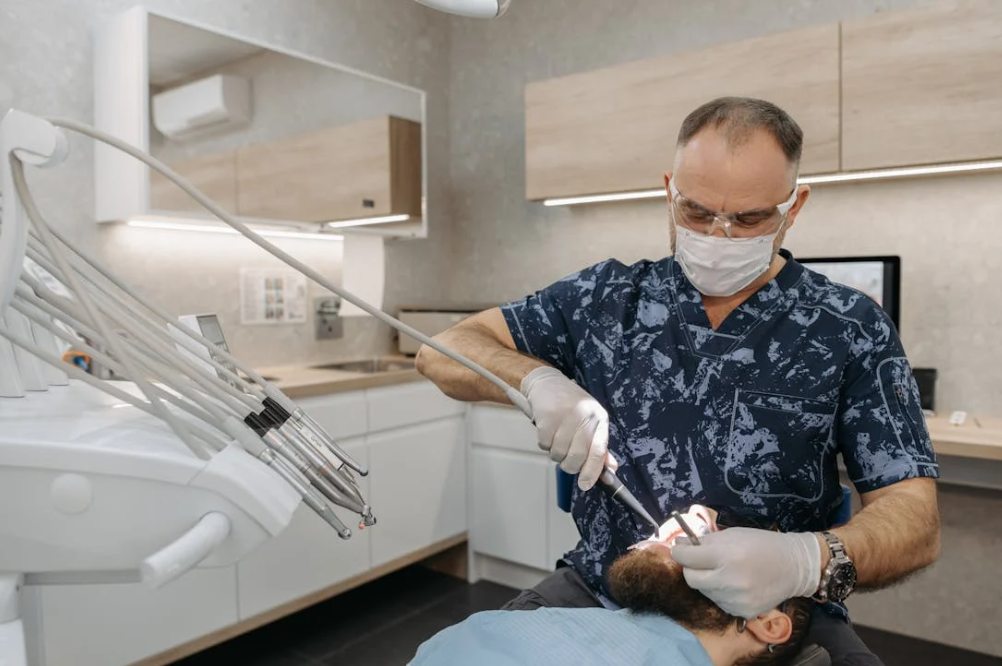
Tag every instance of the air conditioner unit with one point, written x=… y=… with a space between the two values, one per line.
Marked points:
x=207 y=106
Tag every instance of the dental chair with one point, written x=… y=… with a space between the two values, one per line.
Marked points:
x=810 y=655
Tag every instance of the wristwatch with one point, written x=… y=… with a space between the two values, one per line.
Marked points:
x=839 y=577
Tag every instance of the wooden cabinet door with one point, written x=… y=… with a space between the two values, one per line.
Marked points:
x=214 y=175
x=614 y=129
x=922 y=85
x=364 y=169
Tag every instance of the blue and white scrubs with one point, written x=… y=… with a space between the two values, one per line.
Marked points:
x=751 y=416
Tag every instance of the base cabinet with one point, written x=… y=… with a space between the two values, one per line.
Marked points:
x=418 y=486
x=308 y=556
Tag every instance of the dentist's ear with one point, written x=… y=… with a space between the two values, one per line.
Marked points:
x=772 y=628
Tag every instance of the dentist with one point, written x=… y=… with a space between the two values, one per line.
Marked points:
x=727 y=374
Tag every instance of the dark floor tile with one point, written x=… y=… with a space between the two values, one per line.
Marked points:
x=246 y=653
x=481 y=596
x=897 y=650
x=394 y=645
x=353 y=616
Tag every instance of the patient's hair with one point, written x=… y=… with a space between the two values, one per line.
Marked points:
x=642 y=582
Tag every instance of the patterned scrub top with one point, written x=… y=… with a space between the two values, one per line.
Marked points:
x=751 y=416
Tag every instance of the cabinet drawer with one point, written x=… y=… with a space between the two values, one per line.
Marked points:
x=510 y=505
x=342 y=415
x=407 y=404
x=504 y=428
x=307 y=557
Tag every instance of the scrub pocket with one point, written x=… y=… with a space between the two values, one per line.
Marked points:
x=777 y=445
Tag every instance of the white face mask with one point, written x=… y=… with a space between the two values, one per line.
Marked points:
x=719 y=266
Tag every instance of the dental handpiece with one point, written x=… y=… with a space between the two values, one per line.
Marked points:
x=615 y=487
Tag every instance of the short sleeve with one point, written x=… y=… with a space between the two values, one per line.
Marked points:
x=882 y=433
x=550 y=323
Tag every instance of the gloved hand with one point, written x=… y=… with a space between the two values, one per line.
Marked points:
x=570 y=424
x=749 y=571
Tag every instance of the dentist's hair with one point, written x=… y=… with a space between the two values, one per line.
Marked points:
x=738 y=117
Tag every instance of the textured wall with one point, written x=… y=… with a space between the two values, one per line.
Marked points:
x=946 y=231
x=46 y=68
x=504 y=246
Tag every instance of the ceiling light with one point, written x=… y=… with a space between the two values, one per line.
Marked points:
x=820 y=179
x=151 y=223
x=384 y=219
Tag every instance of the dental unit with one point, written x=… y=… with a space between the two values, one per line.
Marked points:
x=189 y=458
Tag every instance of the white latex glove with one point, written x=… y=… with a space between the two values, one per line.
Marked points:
x=570 y=424
x=749 y=571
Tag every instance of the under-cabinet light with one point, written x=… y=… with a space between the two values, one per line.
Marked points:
x=819 y=179
x=384 y=219
x=147 y=223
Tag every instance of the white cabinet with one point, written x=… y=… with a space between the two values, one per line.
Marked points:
x=407 y=404
x=114 y=625
x=510 y=506
x=341 y=415
x=417 y=486
x=307 y=557
x=515 y=516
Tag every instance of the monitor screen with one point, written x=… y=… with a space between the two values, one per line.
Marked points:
x=877 y=277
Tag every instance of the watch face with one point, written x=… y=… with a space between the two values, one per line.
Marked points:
x=842 y=582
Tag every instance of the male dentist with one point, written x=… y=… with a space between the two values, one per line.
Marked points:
x=727 y=374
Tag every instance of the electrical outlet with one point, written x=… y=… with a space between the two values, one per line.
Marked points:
x=329 y=326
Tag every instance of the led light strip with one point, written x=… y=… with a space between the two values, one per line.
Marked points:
x=850 y=176
x=384 y=219
x=268 y=233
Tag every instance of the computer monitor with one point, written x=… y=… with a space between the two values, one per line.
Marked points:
x=877 y=277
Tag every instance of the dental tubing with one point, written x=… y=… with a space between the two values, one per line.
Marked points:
x=219 y=405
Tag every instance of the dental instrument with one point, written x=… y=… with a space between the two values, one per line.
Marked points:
x=685 y=527
x=608 y=479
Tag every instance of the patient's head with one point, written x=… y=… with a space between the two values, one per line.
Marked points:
x=648 y=580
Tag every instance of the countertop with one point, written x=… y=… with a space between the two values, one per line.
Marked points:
x=979 y=437
x=300 y=381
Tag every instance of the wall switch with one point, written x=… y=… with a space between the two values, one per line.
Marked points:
x=329 y=325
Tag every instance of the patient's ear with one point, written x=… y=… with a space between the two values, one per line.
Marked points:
x=772 y=628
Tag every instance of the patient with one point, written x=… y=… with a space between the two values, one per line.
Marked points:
x=663 y=622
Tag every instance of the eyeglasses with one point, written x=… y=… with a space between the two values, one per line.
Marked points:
x=747 y=224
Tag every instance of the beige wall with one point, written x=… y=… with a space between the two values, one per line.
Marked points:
x=946 y=230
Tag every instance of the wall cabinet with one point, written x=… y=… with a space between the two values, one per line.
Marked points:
x=365 y=169
x=214 y=175
x=922 y=85
x=614 y=129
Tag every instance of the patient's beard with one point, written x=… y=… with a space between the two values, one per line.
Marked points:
x=649 y=581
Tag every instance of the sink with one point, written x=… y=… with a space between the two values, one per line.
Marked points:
x=368 y=366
